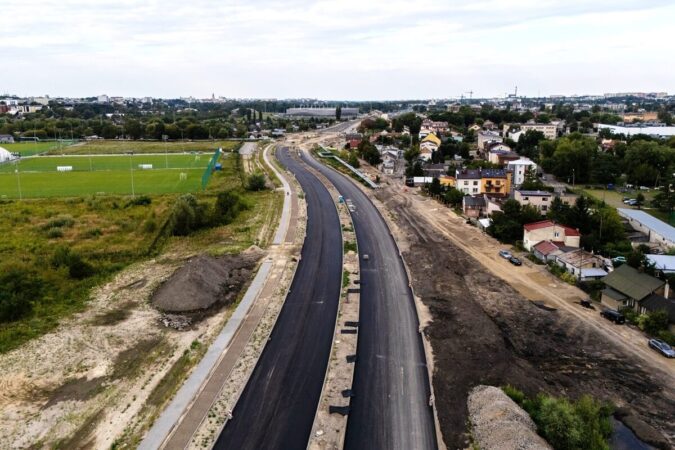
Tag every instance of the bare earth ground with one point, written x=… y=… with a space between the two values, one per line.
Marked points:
x=484 y=331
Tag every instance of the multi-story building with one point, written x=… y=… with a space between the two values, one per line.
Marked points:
x=539 y=199
x=550 y=130
x=519 y=167
x=492 y=182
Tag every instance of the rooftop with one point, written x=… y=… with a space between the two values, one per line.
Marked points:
x=546 y=247
x=657 y=302
x=664 y=263
x=650 y=222
x=630 y=282
x=535 y=193
x=569 y=231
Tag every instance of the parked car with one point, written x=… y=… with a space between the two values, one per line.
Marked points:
x=644 y=188
x=619 y=259
x=614 y=316
x=515 y=261
x=627 y=200
x=505 y=254
x=663 y=348
x=632 y=202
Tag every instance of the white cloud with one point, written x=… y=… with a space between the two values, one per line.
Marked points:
x=331 y=49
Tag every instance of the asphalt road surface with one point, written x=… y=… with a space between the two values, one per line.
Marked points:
x=278 y=404
x=391 y=408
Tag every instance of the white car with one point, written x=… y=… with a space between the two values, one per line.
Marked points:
x=505 y=254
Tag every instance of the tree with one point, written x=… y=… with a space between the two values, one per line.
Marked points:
x=228 y=206
x=639 y=200
x=338 y=113
x=435 y=188
x=528 y=144
x=453 y=197
x=256 y=182
x=655 y=322
x=133 y=129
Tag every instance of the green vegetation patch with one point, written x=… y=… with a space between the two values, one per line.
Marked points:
x=580 y=425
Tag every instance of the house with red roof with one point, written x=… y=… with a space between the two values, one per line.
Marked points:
x=547 y=230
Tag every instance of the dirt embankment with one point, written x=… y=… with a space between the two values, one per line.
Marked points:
x=484 y=332
x=205 y=282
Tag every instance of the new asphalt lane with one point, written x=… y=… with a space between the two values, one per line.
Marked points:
x=391 y=408
x=277 y=407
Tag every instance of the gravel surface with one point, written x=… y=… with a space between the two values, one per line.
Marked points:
x=498 y=423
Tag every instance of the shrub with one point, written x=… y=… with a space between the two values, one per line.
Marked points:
x=78 y=268
x=228 y=206
x=142 y=200
x=19 y=287
x=256 y=182
x=92 y=233
x=187 y=215
x=150 y=226
x=54 y=233
x=655 y=322
x=63 y=221
x=350 y=246
x=566 y=425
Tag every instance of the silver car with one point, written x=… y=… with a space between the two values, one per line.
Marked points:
x=663 y=348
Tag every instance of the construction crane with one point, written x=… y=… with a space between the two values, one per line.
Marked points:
x=470 y=94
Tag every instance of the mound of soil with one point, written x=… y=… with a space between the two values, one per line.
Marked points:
x=205 y=282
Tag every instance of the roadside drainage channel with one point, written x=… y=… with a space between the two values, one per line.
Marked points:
x=171 y=416
x=330 y=422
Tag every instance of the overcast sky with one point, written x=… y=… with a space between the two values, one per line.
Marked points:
x=338 y=49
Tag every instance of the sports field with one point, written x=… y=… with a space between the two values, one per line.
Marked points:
x=34 y=148
x=107 y=162
x=38 y=177
x=114 y=146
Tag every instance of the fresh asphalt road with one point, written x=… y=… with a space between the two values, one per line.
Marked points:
x=390 y=409
x=277 y=407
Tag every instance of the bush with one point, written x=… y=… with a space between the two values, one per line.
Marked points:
x=228 y=206
x=150 y=226
x=142 y=200
x=54 y=233
x=78 y=268
x=63 y=221
x=655 y=322
x=580 y=425
x=256 y=182
x=187 y=216
x=19 y=287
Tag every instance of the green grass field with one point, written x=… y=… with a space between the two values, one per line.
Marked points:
x=96 y=163
x=34 y=148
x=112 y=146
x=38 y=178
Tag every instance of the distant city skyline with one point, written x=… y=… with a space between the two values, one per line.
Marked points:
x=347 y=50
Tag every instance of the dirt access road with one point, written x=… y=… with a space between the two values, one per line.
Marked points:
x=485 y=331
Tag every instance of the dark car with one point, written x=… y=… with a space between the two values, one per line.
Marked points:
x=662 y=347
x=515 y=261
x=614 y=316
x=586 y=304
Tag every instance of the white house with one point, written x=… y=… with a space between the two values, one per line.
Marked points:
x=547 y=230
x=519 y=167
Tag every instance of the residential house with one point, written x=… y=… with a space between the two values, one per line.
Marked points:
x=519 y=167
x=626 y=287
x=657 y=302
x=435 y=170
x=547 y=251
x=468 y=181
x=484 y=137
x=501 y=157
x=489 y=125
x=447 y=181
x=428 y=145
x=6 y=139
x=539 y=199
x=473 y=206
x=388 y=164
x=585 y=266
x=354 y=139
x=437 y=127
x=495 y=182
x=547 y=230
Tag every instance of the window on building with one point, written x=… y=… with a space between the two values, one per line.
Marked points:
x=475 y=183
x=544 y=208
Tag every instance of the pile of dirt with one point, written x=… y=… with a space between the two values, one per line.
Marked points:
x=484 y=332
x=206 y=282
x=498 y=423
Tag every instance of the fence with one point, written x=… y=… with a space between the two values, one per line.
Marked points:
x=210 y=169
